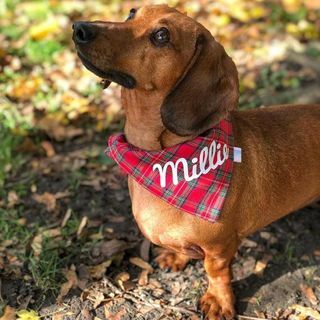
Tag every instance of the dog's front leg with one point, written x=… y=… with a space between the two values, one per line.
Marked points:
x=219 y=299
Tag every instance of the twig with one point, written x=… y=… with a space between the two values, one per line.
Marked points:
x=137 y=300
x=239 y=316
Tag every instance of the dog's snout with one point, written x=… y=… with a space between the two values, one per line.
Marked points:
x=83 y=32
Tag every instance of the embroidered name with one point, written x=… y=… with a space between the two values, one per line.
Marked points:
x=209 y=159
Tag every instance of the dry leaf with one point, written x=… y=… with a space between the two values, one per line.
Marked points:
x=306 y=311
x=143 y=278
x=83 y=276
x=309 y=293
x=123 y=277
x=110 y=315
x=66 y=218
x=13 y=199
x=58 y=132
x=98 y=271
x=82 y=224
x=72 y=282
x=48 y=199
x=107 y=249
x=9 y=314
x=316 y=252
x=36 y=243
x=27 y=315
x=99 y=297
x=141 y=263
x=48 y=148
x=249 y=243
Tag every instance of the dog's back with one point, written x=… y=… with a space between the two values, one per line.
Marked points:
x=281 y=158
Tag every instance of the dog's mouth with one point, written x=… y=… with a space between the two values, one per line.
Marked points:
x=109 y=76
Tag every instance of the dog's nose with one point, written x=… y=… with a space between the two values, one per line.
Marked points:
x=83 y=32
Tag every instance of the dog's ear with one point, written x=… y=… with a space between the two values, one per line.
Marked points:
x=205 y=93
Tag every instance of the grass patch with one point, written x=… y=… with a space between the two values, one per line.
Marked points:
x=9 y=160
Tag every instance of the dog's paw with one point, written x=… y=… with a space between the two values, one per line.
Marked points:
x=215 y=310
x=172 y=260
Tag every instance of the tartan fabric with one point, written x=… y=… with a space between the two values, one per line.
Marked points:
x=201 y=196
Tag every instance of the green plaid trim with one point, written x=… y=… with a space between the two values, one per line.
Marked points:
x=148 y=181
x=180 y=201
x=136 y=171
x=201 y=207
x=167 y=193
x=193 y=183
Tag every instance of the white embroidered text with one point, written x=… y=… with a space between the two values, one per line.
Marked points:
x=209 y=159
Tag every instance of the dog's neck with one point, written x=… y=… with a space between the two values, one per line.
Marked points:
x=144 y=127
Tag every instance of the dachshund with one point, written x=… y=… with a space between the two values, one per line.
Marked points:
x=177 y=83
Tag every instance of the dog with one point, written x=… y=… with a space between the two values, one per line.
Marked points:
x=177 y=83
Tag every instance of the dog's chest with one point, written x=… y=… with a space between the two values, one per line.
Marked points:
x=156 y=219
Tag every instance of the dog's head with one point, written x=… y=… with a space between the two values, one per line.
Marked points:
x=160 y=49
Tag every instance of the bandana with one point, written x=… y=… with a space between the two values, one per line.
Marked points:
x=193 y=176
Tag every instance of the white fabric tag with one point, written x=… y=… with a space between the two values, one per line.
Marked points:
x=237 y=155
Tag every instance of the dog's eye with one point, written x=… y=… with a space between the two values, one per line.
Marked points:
x=132 y=13
x=160 y=37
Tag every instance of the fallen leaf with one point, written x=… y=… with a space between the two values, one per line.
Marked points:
x=316 y=252
x=48 y=148
x=57 y=131
x=42 y=30
x=111 y=315
x=98 y=298
x=309 y=293
x=249 y=243
x=83 y=276
x=141 y=263
x=261 y=265
x=122 y=278
x=48 y=199
x=36 y=243
x=13 y=199
x=107 y=249
x=98 y=271
x=72 y=282
x=82 y=225
x=306 y=311
x=27 y=315
x=143 y=278
x=9 y=314
x=66 y=218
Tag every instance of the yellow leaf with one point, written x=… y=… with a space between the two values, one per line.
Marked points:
x=257 y=12
x=222 y=20
x=306 y=311
x=42 y=30
x=27 y=315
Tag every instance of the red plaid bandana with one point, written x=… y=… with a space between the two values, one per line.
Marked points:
x=193 y=176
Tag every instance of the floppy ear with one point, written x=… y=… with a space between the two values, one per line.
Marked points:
x=205 y=93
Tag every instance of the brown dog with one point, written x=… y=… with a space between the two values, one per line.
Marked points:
x=178 y=82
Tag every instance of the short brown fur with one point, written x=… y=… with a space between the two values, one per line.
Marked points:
x=175 y=99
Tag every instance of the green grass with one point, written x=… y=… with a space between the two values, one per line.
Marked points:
x=10 y=160
x=46 y=269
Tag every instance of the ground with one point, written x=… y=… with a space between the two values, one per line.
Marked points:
x=69 y=246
